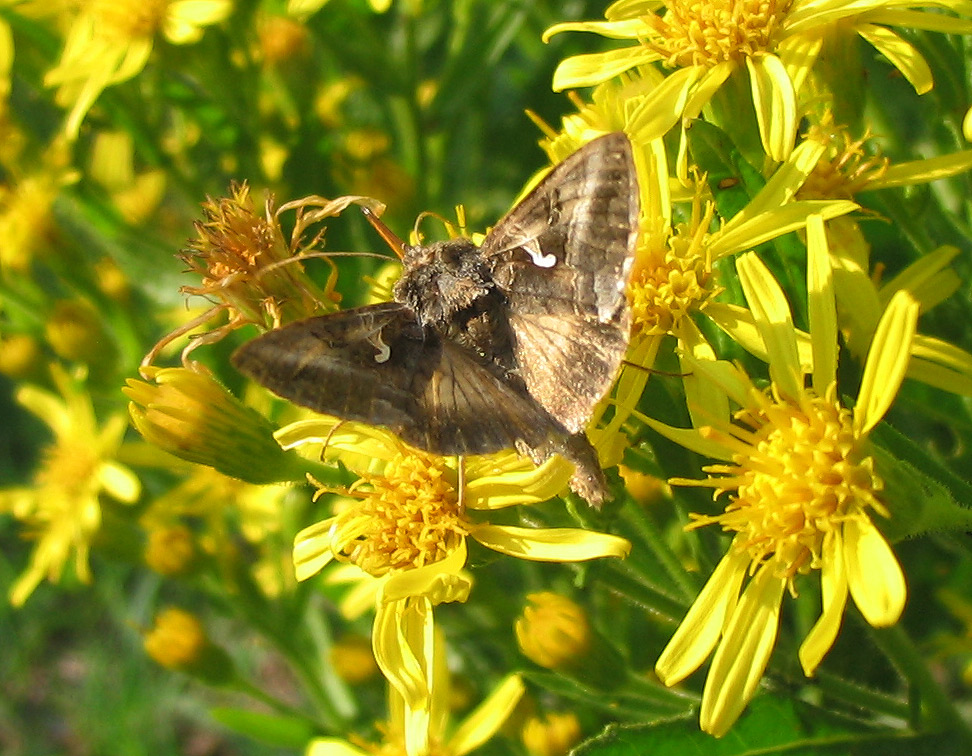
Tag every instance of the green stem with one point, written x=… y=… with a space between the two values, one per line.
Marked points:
x=939 y=709
x=652 y=537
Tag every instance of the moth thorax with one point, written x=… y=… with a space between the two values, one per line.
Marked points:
x=441 y=280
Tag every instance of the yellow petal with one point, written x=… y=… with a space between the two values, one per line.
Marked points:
x=739 y=323
x=922 y=171
x=439 y=582
x=920 y=20
x=332 y=747
x=501 y=480
x=588 y=70
x=887 y=361
x=402 y=641
x=822 y=306
x=775 y=103
x=663 y=107
x=629 y=28
x=120 y=482
x=901 y=54
x=488 y=717
x=928 y=279
x=312 y=549
x=782 y=185
x=550 y=544
x=772 y=313
x=833 y=585
x=701 y=628
x=798 y=53
x=48 y=408
x=185 y=18
x=772 y=223
x=874 y=576
x=712 y=79
x=741 y=657
x=691 y=440
x=941 y=364
x=706 y=402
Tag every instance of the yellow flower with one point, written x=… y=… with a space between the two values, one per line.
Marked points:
x=62 y=509
x=673 y=278
x=110 y=42
x=406 y=522
x=251 y=270
x=27 y=204
x=802 y=486
x=845 y=169
x=404 y=735
x=777 y=43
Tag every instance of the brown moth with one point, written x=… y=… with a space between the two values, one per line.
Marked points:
x=510 y=344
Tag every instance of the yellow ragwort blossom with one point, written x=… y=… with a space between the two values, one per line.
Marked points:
x=703 y=43
x=62 y=510
x=673 y=280
x=405 y=522
x=802 y=488
x=432 y=735
x=110 y=42
x=847 y=168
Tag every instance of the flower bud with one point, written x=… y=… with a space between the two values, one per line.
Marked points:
x=179 y=641
x=189 y=414
x=171 y=551
x=553 y=632
x=551 y=735
x=353 y=660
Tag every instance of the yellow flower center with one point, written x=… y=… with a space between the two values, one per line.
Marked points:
x=802 y=474
x=69 y=467
x=409 y=516
x=709 y=32
x=845 y=169
x=129 y=19
x=672 y=280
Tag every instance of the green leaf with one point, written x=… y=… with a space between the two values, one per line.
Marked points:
x=922 y=493
x=273 y=729
x=770 y=726
x=732 y=180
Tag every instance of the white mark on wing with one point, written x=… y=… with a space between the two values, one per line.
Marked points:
x=536 y=254
x=384 y=351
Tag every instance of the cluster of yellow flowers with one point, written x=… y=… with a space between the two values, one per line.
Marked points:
x=756 y=312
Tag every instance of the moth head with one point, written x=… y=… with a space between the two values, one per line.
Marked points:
x=441 y=279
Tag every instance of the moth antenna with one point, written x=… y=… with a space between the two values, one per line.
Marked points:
x=330 y=435
x=653 y=371
x=316 y=256
x=430 y=214
x=396 y=244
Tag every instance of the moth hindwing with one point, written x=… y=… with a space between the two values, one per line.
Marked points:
x=511 y=344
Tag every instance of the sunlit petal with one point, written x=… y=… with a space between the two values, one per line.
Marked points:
x=550 y=544
x=700 y=630
x=874 y=576
x=833 y=588
x=887 y=361
x=741 y=657
x=772 y=313
x=775 y=103
x=488 y=717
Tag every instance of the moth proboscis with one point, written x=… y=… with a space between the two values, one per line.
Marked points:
x=507 y=345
